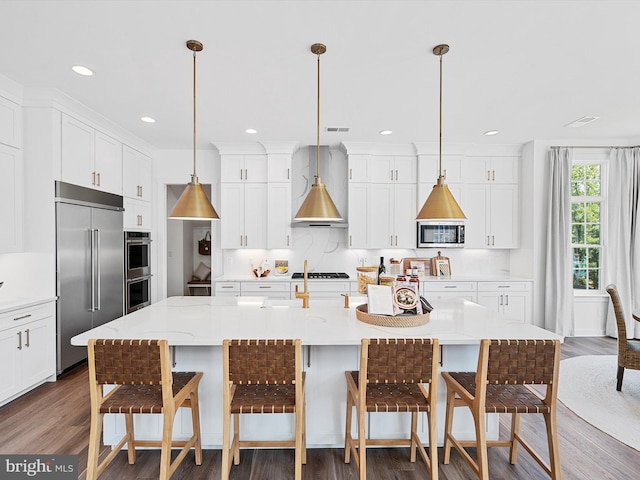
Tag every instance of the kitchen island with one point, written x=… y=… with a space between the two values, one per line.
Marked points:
x=196 y=326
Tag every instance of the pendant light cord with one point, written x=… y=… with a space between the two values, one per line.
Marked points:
x=194 y=114
x=318 y=126
x=440 y=145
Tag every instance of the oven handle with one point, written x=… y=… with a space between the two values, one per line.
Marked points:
x=138 y=242
x=139 y=279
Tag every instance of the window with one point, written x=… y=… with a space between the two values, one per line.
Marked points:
x=586 y=225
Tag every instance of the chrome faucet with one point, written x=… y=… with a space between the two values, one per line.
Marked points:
x=305 y=294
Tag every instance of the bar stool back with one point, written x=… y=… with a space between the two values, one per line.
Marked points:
x=499 y=385
x=392 y=378
x=141 y=371
x=262 y=376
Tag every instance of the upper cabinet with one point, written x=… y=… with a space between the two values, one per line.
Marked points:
x=392 y=169
x=244 y=168
x=90 y=158
x=10 y=123
x=10 y=199
x=136 y=169
x=493 y=170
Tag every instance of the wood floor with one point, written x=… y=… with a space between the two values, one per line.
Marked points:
x=54 y=419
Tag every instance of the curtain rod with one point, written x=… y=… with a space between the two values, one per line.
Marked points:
x=595 y=146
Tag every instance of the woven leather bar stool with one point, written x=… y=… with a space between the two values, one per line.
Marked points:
x=141 y=370
x=262 y=376
x=499 y=386
x=628 y=349
x=392 y=378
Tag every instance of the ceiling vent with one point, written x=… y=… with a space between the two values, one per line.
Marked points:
x=337 y=129
x=581 y=121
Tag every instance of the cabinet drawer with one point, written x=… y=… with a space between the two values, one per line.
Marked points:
x=504 y=286
x=228 y=287
x=449 y=286
x=264 y=288
x=322 y=286
x=21 y=316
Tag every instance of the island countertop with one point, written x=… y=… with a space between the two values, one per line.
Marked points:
x=207 y=321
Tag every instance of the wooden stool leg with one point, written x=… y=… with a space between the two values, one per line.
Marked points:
x=448 y=422
x=481 y=445
x=236 y=439
x=95 y=433
x=165 y=450
x=131 y=446
x=347 y=434
x=433 y=444
x=298 y=447
x=362 y=445
x=304 y=429
x=552 y=439
x=515 y=429
x=226 y=461
x=195 y=421
x=414 y=432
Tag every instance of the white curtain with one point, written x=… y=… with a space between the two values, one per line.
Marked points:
x=622 y=237
x=558 y=308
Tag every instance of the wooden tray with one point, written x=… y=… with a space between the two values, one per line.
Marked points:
x=390 y=321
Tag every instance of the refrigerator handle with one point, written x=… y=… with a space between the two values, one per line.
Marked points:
x=92 y=255
x=98 y=275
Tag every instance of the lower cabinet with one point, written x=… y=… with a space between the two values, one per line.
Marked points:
x=274 y=290
x=512 y=300
x=227 y=289
x=27 y=349
x=438 y=290
x=137 y=215
x=321 y=289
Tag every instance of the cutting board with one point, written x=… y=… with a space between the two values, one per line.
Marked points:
x=440 y=266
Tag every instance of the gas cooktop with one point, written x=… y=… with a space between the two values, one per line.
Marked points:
x=321 y=275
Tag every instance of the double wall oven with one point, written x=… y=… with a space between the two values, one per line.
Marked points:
x=137 y=253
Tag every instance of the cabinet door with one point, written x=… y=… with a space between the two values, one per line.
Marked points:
x=404 y=216
x=474 y=201
x=359 y=215
x=358 y=168
x=491 y=300
x=381 y=215
x=279 y=215
x=503 y=216
x=137 y=215
x=517 y=306
x=405 y=170
x=476 y=170
x=136 y=168
x=381 y=169
x=10 y=123
x=255 y=215
x=279 y=167
x=38 y=356
x=108 y=164
x=255 y=168
x=504 y=170
x=232 y=220
x=428 y=169
x=77 y=150
x=9 y=373
x=11 y=189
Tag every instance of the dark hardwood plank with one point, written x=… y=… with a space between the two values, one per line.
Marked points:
x=54 y=418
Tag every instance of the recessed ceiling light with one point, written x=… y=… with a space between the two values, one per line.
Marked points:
x=148 y=119
x=581 y=121
x=385 y=132
x=80 y=70
x=251 y=130
x=488 y=133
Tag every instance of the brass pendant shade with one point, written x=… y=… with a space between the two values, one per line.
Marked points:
x=318 y=204
x=441 y=203
x=194 y=204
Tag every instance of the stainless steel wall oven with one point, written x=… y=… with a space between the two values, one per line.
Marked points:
x=137 y=267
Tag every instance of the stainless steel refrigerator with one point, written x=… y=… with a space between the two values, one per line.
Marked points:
x=89 y=265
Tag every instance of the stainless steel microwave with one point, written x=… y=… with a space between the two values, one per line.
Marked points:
x=440 y=234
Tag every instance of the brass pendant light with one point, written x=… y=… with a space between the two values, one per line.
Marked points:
x=194 y=204
x=440 y=204
x=318 y=204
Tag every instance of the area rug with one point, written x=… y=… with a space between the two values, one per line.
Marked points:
x=587 y=386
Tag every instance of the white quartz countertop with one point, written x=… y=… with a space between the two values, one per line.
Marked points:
x=15 y=303
x=204 y=321
x=353 y=278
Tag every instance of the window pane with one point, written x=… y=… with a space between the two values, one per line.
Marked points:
x=593 y=212
x=593 y=188
x=593 y=234
x=594 y=279
x=577 y=212
x=577 y=173
x=578 y=233
x=592 y=172
x=577 y=188
x=579 y=258
x=594 y=257
x=580 y=279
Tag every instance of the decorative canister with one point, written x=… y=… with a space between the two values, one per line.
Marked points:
x=366 y=276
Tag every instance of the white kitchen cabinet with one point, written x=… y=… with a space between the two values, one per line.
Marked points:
x=273 y=290
x=437 y=290
x=136 y=169
x=392 y=169
x=137 y=215
x=321 y=289
x=494 y=170
x=244 y=168
x=492 y=215
x=11 y=200
x=27 y=349
x=428 y=169
x=244 y=222
x=278 y=167
x=358 y=168
x=359 y=215
x=512 y=300
x=227 y=289
x=10 y=123
x=392 y=218
x=90 y=158
x=279 y=215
